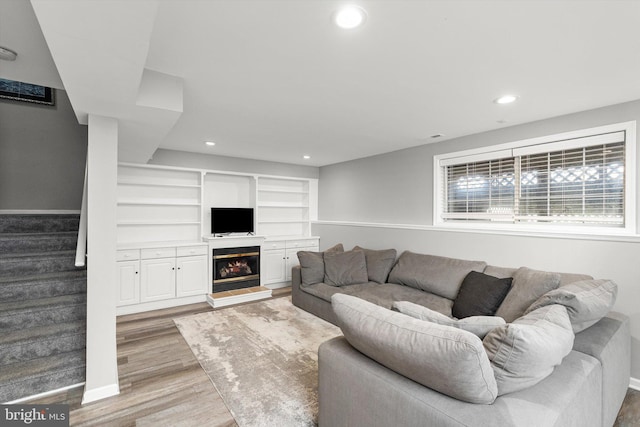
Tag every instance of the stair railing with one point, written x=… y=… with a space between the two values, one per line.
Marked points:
x=81 y=247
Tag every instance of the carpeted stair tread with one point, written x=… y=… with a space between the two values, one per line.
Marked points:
x=43 y=286
x=43 y=365
x=56 y=254
x=48 y=331
x=44 y=341
x=31 y=263
x=42 y=303
x=13 y=243
x=34 y=278
x=21 y=223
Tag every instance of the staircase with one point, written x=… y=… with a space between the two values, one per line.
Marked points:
x=42 y=305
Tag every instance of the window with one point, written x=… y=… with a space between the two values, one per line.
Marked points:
x=578 y=179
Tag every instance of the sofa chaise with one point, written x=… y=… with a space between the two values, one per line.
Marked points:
x=367 y=377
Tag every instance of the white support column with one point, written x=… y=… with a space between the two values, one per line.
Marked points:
x=102 y=170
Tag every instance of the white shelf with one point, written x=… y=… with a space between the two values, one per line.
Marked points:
x=280 y=190
x=284 y=221
x=281 y=205
x=158 y=222
x=157 y=203
x=157 y=184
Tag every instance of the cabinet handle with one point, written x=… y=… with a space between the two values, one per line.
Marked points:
x=136 y=272
x=173 y=268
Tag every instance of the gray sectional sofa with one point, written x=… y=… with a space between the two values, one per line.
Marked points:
x=395 y=379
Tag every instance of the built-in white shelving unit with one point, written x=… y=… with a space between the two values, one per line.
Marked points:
x=164 y=214
x=285 y=206
x=158 y=204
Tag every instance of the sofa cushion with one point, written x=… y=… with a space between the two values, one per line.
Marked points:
x=480 y=295
x=379 y=263
x=445 y=359
x=477 y=325
x=345 y=268
x=439 y=275
x=528 y=285
x=587 y=301
x=526 y=351
x=312 y=264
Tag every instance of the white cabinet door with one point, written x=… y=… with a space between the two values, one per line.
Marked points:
x=128 y=282
x=292 y=258
x=191 y=276
x=272 y=269
x=158 y=279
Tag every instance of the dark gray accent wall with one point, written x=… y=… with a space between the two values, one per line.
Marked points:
x=398 y=187
x=43 y=153
x=230 y=164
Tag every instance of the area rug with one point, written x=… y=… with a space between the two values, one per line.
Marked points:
x=262 y=358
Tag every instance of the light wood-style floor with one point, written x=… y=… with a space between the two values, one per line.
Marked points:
x=161 y=381
x=162 y=384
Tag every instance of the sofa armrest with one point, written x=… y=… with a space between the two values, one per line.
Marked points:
x=609 y=341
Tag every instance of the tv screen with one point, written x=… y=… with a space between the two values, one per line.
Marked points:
x=231 y=220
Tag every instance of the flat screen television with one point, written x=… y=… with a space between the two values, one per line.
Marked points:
x=231 y=220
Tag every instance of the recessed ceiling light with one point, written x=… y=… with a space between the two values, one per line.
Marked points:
x=7 y=54
x=306 y=157
x=505 y=99
x=210 y=143
x=350 y=17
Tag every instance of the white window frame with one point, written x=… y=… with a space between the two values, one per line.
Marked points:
x=545 y=143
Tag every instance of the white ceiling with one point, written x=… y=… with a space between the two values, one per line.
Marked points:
x=274 y=80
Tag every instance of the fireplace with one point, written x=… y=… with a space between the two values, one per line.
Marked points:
x=236 y=268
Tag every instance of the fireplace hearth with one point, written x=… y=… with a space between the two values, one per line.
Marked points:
x=236 y=268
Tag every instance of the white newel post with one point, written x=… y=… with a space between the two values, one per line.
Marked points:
x=102 y=174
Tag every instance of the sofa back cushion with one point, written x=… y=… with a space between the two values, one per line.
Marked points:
x=477 y=325
x=312 y=265
x=379 y=263
x=528 y=285
x=526 y=351
x=448 y=360
x=439 y=275
x=345 y=268
x=586 y=301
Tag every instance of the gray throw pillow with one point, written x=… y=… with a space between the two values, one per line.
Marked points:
x=448 y=360
x=477 y=325
x=312 y=264
x=586 y=301
x=439 y=275
x=528 y=285
x=345 y=268
x=379 y=263
x=480 y=295
x=525 y=352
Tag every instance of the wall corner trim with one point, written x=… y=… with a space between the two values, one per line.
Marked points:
x=634 y=383
x=100 y=393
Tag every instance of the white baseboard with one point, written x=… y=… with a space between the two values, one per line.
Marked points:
x=45 y=394
x=38 y=212
x=157 y=305
x=634 y=383
x=278 y=285
x=237 y=299
x=100 y=393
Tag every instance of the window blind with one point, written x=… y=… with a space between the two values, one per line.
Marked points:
x=578 y=181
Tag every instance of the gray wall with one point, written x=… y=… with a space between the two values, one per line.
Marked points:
x=43 y=153
x=231 y=164
x=396 y=188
